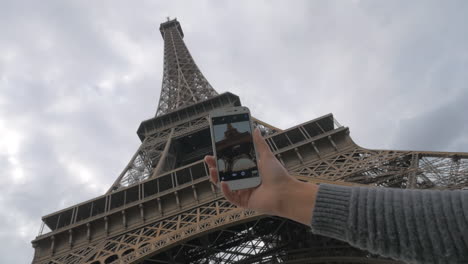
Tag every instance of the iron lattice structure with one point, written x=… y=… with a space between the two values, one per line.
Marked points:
x=183 y=83
x=163 y=209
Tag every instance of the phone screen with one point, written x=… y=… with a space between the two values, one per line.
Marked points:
x=235 y=151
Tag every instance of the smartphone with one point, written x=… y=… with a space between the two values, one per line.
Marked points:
x=233 y=147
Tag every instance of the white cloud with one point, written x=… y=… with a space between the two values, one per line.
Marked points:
x=10 y=140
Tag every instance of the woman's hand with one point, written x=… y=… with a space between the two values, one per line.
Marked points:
x=278 y=194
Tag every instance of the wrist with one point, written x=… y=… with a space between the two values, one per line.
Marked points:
x=297 y=201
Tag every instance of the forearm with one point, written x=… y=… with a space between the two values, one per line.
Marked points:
x=298 y=201
x=411 y=225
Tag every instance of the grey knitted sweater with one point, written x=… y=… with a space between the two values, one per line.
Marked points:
x=415 y=226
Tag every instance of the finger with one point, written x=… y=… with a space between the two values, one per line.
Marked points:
x=214 y=175
x=230 y=195
x=260 y=143
x=210 y=161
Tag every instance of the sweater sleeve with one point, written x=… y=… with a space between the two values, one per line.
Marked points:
x=415 y=226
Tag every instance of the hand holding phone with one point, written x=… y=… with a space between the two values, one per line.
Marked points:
x=278 y=193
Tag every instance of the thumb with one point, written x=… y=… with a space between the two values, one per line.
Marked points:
x=260 y=144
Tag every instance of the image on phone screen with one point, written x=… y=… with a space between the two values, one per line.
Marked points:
x=234 y=147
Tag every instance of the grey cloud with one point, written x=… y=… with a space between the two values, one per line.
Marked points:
x=436 y=129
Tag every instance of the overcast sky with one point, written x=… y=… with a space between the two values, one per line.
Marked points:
x=77 y=78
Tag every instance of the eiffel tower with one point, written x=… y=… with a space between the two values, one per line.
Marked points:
x=162 y=208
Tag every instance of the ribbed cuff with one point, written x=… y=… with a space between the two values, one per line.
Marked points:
x=331 y=211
